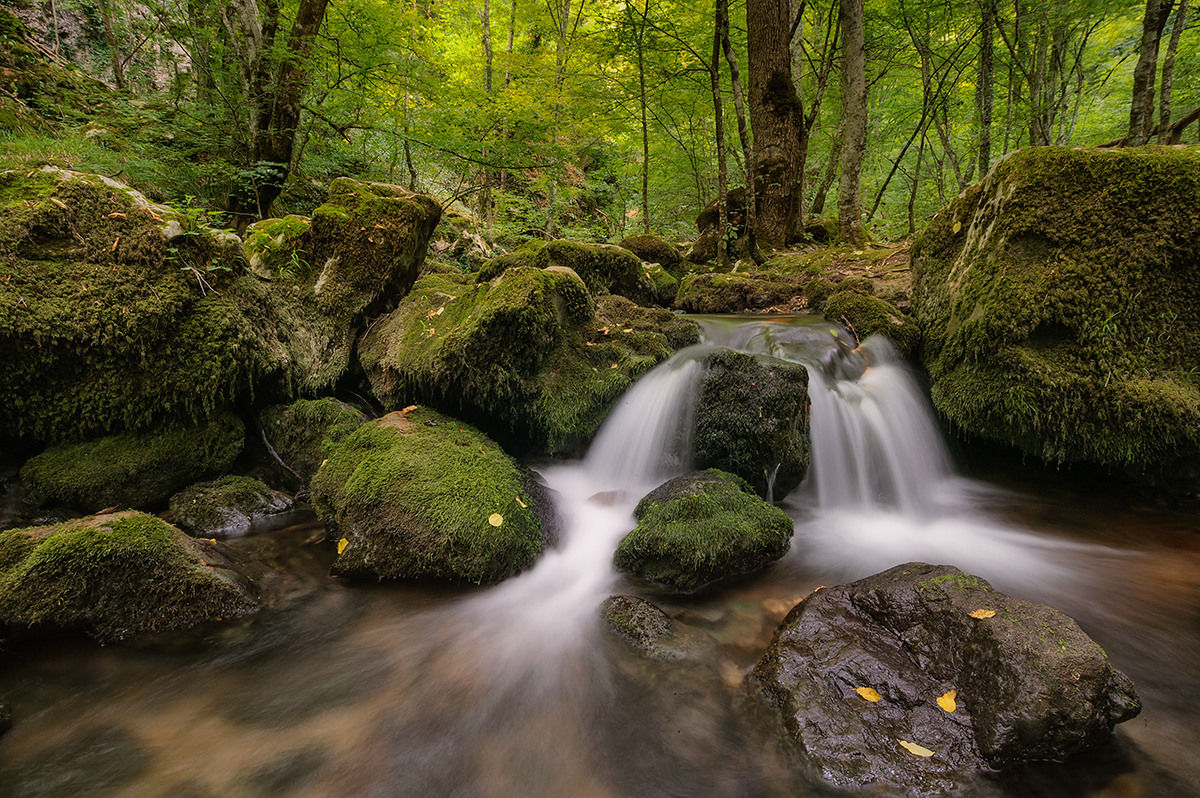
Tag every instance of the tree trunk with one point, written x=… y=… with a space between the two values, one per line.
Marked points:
x=985 y=91
x=1141 y=107
x=110 y=39
x=714 y=71
x=777 y=118
x=739 y=106
x=831 y=170
x=641 y=62
x=854 y=122
x=1168 y=74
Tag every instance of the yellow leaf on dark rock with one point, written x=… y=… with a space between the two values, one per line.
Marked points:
x=947 y=701
x=342 y=544
x=981 y=614
x=914 y=749
x=868 y=693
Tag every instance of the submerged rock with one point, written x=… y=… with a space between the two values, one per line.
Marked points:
x=910 y=679
x=304 y=432
x=702 y=527
x=118 y=576
x=1057 y=298
x=752 y=420
x=604 y=268
x=133 y=470
x=226 y=507
x=419 y=495
x=528 y=357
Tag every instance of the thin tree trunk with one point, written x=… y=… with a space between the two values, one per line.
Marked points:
x=854 y=121
x=831 y=170
x=110 y=39
x=1168 y=74
x=912 y=194
x=714 y=71
x=985 y=89
x=1141 y=106
x=739 y=106
x=641 y=61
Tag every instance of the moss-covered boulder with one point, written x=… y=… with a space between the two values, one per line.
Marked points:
x=304 y=432
x=604 y=268
x=752 y=420
x=733 y=293
x=1060 y=301
x=37 y=88
x=133 y=470
x=275 y=248
x=869 y=315
x=666 y=286
x=118 y=576
x=528 y=357
x=653 y=249
x=226 y=507
x=702 y=527
x=419 y=495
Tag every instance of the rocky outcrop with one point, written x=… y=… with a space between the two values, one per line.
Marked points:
x=909 y=680
x=529 y=357
x=752 y=420
x=604 y=268
x=133 y=470
x=419 y=495
x=1057 y=298
x=118 y=576
x=702 y=527
x=226 y=507
x=733 y=293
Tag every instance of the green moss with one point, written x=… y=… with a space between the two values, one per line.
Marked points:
x=603 y=268
x=275 y=247
x=665 y=285
x=225 y=506
x=1061 y=306
x=870 y=315
x=412 y=494
x=114 y=576
x=702 y=527
x=653 y=249
x=133 y=470
x=305 y=432
x=732 y=293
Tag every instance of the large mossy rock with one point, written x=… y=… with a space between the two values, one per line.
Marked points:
x=870 y=315
x=419 y=495
x=118 y=576
x=529 y=357
x=653 y=249
x=118 y=314
x=752 y=420
x=733 y=293
x=226 y=507
x=932 y=657
x=604 y=268
x=702 y=527
x=1060 y=301
x=304 y=432
x=133 y=470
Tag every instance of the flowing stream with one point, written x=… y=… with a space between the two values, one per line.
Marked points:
x=354 y=689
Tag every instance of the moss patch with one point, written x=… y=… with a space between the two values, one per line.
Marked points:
x=304 y=433
x=870 y=315
x=602 y=267
x=412 y=494
x=653 y=249
x=133 y=470
x=1061 y=304
x=226 y=506
x=732 y=293
x=702 y=527
x=116 y=576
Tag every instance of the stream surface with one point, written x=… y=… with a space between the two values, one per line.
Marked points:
x=343 y=688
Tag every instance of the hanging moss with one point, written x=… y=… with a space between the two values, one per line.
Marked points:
x=1061 y=305
x=412 y=494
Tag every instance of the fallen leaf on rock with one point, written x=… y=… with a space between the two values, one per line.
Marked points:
x=495 y=519
x=868 y=693
x=342 y=544
x=628 y=330
x=116 y=215
x=613 y=366
x=981 y=614
x=58 y=202
x=914 y=749
x=408 y=410
x=947 y=701
x=957 y=226
x=523 y=504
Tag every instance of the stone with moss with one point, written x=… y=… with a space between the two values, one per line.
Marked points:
x=119 y=576
x=702 y=527
x=275 y=247
x=304 y=432
x=37 y=88
x=133 y=470
x=1058 y=302
x=666 y=286
x=733 y=293
x=869 y=315
x=653 y=249
x=604 y=268
x=420 y=495
x=226 y=507
x=752 y=420
x=704 y=248
x=529 y=357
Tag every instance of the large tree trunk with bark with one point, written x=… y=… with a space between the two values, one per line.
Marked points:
x=1141 y=107
x=854 y=122
x=777 y=118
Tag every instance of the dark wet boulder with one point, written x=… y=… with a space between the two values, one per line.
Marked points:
x=419 y=495
x=653 y=634
x=133 y=470
x=1058 y=301
x=528 y=357
x=733 y=293
x=870 y=315
x=752 y=420
x=119 y=576
x=226 y=507
x=604 y=268
x=303 y=433
x=912 y=679
x=702 y=527
x=653 y=249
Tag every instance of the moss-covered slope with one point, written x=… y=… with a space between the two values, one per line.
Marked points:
x=604 y=268
x=1060 y=300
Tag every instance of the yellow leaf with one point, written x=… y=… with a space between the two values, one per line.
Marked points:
x=613 y=366
x=523 y=504
x=868 y=693
x=914 y=749
x=408 y=410
x=342 y=544
x=440 y=310
x=628 y=330
x=957 y=226
x=981 y=614
x=495 y=519
x=58 y=202
x=947 y=701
